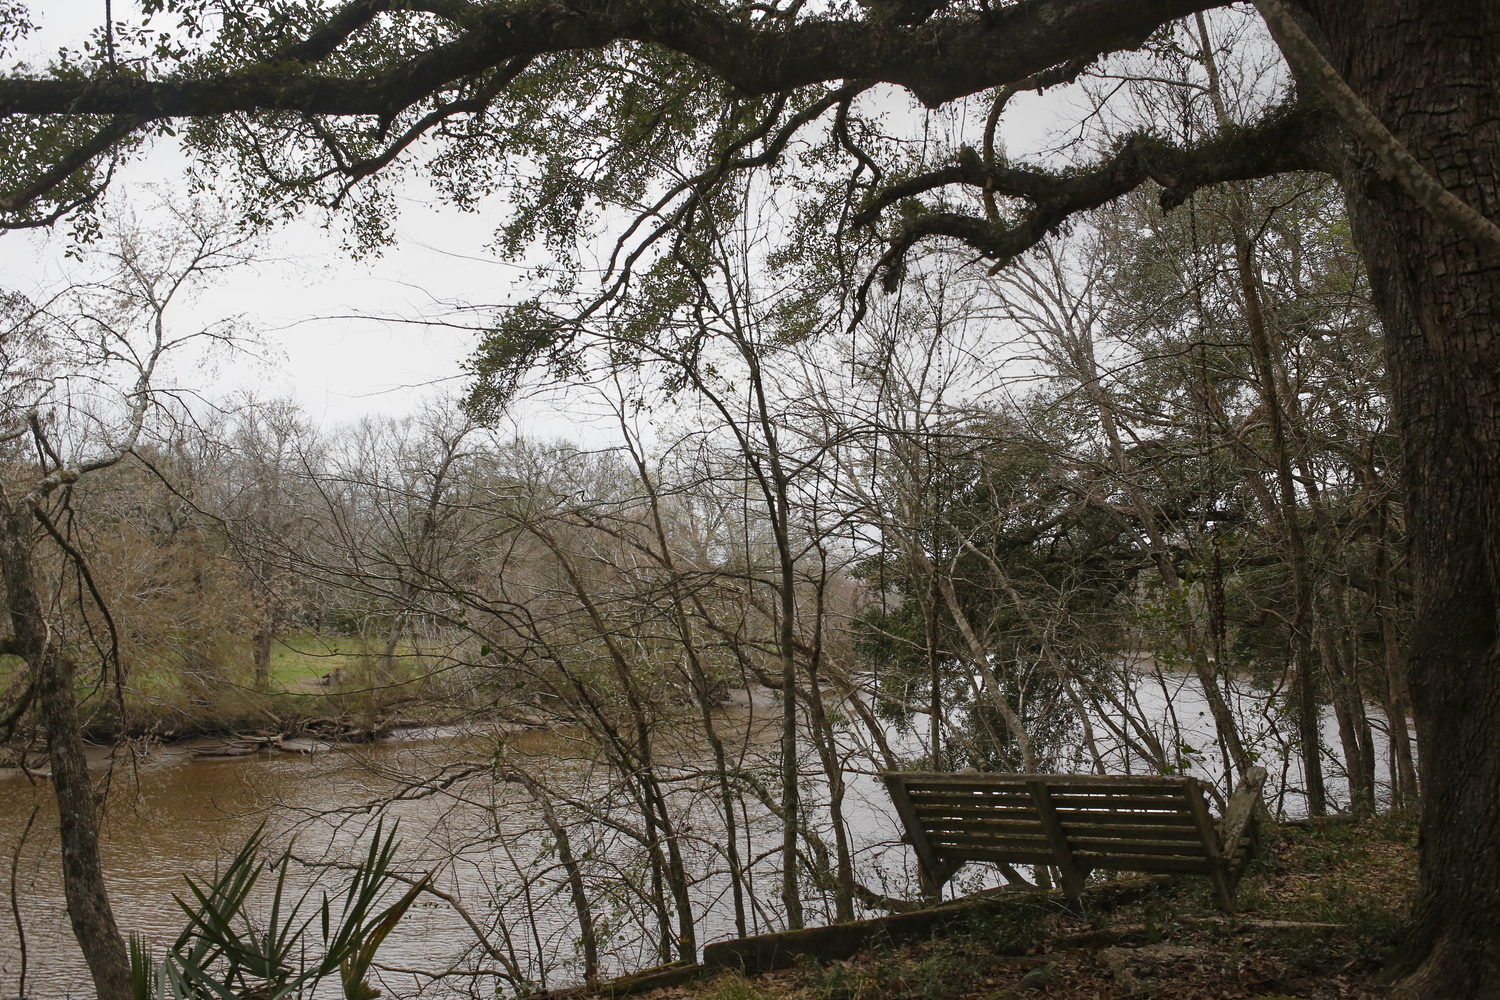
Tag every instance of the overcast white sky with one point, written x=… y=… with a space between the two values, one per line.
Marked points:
x=322 y=311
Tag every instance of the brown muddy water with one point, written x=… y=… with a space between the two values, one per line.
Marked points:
x=172 y=813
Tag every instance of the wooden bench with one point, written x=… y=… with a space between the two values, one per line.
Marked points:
x=1077 y=823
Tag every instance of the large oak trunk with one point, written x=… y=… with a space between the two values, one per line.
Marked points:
x=1429 y=70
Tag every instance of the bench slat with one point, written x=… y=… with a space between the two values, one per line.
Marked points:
x=1163 y=820
x=1017 y=857
x=918 y=779
x=1103 y=845
x=969 y=802
x=1160 y=802
x=943 y=840
x=972 y=795
x=1179 y=834
x=1070 y=818
x=1099 y=831
x=976 y=828
x=947 y=844
x=1055 y=783
x=931 y=814
x=1143 y=863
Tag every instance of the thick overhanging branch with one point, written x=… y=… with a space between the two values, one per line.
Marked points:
x=361 y=169
x=938 y=62
x=944 y=59
x=1294 y=137
x=323 y=42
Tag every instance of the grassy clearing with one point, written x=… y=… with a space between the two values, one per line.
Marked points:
x=1320 y=918
x=189 y=693
x=299 y=660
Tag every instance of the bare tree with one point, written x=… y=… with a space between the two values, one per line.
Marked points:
x=112 y=336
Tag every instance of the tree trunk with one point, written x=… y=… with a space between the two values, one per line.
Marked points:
x=1286 y=514
x=581 y=908
x=1427 y=69
x=1361 y=798
x=78 y=818
x=1349 y=702
x=826 y=742
x=261 y=651
x=1291 y=527
x=1398 y=698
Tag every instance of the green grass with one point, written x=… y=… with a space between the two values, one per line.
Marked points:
x=734 y=986
x=297 y=659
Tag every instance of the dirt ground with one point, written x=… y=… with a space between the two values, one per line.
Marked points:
x=1321 y=917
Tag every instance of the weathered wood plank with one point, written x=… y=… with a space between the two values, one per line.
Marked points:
x=971 y=808
x=1104 y=783
x=969 y=799
x=1116 y=861
x=1042 y=857
x=1165 y=803
x=1131 y=831
x=1240 y=827
x=947 y=843
x=1178 y=848
x=1133 y=824
x=1030 y=823
x=1181 y=820
x=1241 y=807
x=939 y=838
x=992 y=778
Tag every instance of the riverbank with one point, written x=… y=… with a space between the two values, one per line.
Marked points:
x=295 y=736
x=317 y=687
x=1321 y=918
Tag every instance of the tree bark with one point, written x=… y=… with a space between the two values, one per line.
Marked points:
x=78 y=818
x=1342 y=667
x=1427 y=69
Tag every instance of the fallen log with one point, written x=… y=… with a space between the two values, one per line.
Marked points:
x=841 y=941
x=837 y=942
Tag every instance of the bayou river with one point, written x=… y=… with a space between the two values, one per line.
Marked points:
x=173 y=812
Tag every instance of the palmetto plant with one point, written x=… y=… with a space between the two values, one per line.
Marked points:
x=229 y=952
